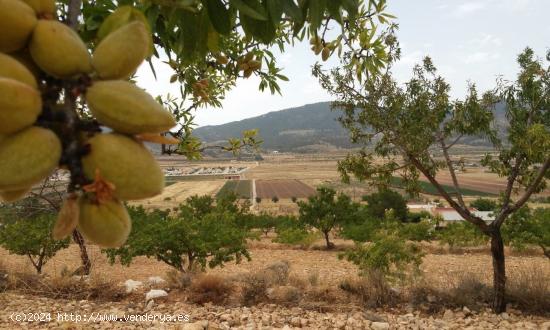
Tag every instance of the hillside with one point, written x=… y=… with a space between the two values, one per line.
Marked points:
x=310 y=128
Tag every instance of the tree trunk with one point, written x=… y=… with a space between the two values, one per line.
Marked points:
x=499 y=272
x=86 y=264
x=329 y=244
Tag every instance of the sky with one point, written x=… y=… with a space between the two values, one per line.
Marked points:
x=468 y=41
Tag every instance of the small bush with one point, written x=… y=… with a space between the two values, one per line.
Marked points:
x=209 y=289
x=372 y=288
x=389 y=254
x=275 y=199
x=254 y=289
x=529 y=289
x=178 y=280
x=294 y=199
x=313 y=278
x=296 y=236
x=258 y=200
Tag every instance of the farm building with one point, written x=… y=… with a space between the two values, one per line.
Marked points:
x=449 y=214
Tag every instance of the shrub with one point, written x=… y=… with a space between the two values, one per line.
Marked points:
x=484 y=204
x=386 y=199
x=200 y=234
x=258 y=200
x=31 y=236
x=461 y=234
x=388 y=254
x=372 y=288
x=421 y=231
x=294 y=199
x=296 y=236
x=208 y=288
x=275 y=199
x=526 y=227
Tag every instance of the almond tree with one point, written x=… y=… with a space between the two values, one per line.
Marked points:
x=411 y=130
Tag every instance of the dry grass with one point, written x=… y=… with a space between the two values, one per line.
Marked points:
x=65 y=287
x=372 y=289
x=208 y=288
x=529 y=289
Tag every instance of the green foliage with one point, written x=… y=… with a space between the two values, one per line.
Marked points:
x=326 y=210
x=388 y=254
x=419 y=231
x=461 y=234
x=529 y=227
x=295 y=236
x=264 y=222
x=484 y=204
x=386 y=199
x=30 y=236
x=204 y=232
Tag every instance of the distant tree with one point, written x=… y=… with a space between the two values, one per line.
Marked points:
x=484 y=204
x=327 y=210
x=201 y=233
x=265 y=222
x=30 y=236
x=529 y=227
x=386 y=199
x=401 y=127
x=258 y=200
x=275 y=199
x=294 y=199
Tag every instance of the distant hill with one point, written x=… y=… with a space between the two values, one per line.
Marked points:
x=310 y=128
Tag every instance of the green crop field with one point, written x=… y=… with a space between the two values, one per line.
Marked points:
x=243 y=188
x=428 y=188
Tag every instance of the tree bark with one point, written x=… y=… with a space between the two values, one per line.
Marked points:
x=499 y=272
x=86 y=264
x=329 y=244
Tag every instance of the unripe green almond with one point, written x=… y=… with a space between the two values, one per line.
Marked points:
x=28 y=157
x=12 y=68
x=125 y=163
x=58 y=50
x=13 y=195
x=107 y=224
x=17 y=21
x=127 y=108
x=119 y=55
x=20 y=105
x=122 y=16
x=44 y=8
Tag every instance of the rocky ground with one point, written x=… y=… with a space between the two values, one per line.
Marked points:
x=267 y=316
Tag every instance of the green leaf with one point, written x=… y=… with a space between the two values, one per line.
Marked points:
x=275 y=11
x=219 y=15
x=334 y=9
x=250 y=8
x=316 y=12
x=292 y=10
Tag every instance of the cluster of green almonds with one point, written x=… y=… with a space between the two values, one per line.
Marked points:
x=34 y=44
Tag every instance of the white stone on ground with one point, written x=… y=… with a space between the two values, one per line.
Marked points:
x=153 y=294
x=132 y=285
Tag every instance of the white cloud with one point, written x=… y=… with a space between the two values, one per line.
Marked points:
x=480 y=57
x=486 y=40
x=468 y=8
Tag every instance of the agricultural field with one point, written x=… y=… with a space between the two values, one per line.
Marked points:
x=266 y=189
x=242 y=188
x=178 y=192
